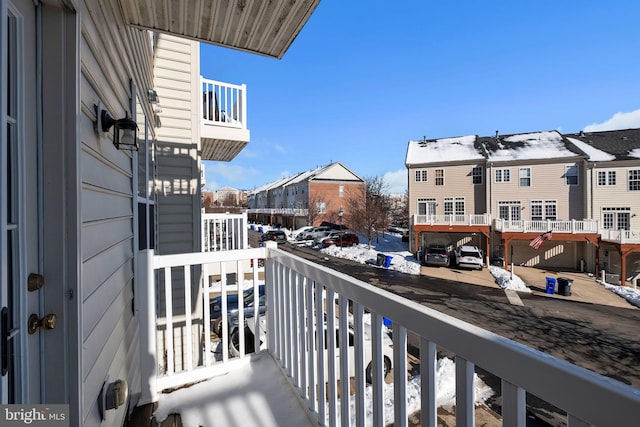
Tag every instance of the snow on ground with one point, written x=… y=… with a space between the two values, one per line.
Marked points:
x=630 y=294
x=506 y=280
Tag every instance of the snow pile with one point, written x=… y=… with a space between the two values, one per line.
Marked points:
x=505 y=281
x=630 y=294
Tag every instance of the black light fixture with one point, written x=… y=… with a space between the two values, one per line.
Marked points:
x=125 y=130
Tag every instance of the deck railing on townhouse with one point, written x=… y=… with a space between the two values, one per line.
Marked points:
x=280 y=211
x=297 y=294
x=480 y=219
x=586 y=226
x=224 y=104
x=223 y=232
x=620 y=236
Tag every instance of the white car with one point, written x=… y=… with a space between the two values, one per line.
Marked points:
x=468 y=256
x=387 y=348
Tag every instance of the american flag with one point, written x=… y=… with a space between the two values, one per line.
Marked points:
x=538 y=241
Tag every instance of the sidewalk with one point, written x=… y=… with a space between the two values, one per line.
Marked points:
x=583 y=289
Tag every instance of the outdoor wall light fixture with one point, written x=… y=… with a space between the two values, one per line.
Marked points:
x=152 y=96
x=125 y=130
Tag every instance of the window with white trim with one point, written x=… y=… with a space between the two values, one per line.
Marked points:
x=606 y=178
x=421 y=175
x=524 y=175
x=542 y=210
x=634 y=180
x=321 y=207
x=476 y=175
x=439 y=176
x=426 y=206
x=454 y=206
x=503 y=175
x=616 y=218
x=509 y=210
x=571 y=175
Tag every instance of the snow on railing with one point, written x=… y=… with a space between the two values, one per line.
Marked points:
x=310 y=307
x=223 y=232
x=475 y=219
x=224 y=104
x=587 y=226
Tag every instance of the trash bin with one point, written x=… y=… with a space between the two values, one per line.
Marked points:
x=564 y=286
x=260 y=229
x=253 y=227
x=551 y=285
x=387 y=261
x=380 y=260
x=387 y=322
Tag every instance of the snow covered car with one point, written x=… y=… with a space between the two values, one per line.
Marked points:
x=468 y=256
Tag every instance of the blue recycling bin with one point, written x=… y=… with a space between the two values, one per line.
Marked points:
x=387 y=261
x=387 y=322
x=260 y=229
x=253 y=227
x=551 y=285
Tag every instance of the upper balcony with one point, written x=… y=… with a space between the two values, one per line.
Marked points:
x=453 y=220
x=223 y=128
x=304 y=366
x=587 y=226
x=620 y=236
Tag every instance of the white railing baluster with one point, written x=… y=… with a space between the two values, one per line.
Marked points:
x=288 y=342
x=295 y=341
x=302 y=336
x=331 y=356
x=321 y=352
x=225 y=321
x=188 y=333
x=358 y=332
x=428 y=360
x=465 y=408
x=514 y=405
x=206 y=300
x=400 y=377
x=241 y=320
x=257 y=338
x=311 y=345
x=169 y=316
x=343 y=321
x=377 y=369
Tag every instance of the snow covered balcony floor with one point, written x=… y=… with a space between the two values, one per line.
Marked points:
x=296 y=374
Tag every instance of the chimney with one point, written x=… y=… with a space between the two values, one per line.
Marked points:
x=497 y=132
x=581 y=134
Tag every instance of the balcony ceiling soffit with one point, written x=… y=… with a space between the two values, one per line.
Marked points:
x=263 y=27
x=222 y=151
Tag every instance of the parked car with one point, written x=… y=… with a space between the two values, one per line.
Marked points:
x=436 y=255
x=314 y=232
x=215 y=307
x=275 y=235
x=341 y=239
x=468 y=256
x=297 y=234
x=387 y=347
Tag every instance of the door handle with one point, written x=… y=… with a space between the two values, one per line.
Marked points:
x=47 y=322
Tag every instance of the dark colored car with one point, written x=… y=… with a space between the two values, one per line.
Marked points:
x=275 y=235
x=215 y=306
x=341 y=239
x=436 y=255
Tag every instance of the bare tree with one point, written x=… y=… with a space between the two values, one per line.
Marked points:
x=315 y=200
x=369 y=212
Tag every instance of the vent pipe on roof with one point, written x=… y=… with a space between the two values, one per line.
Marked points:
x=582 y=134
x=497 y=133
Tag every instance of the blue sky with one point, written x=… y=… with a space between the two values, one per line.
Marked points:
x=363 y=78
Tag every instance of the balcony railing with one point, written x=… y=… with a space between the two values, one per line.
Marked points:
x=620 y=236
x=223 y=232
x=280 y=211
x=587 y=226
x=304 y=298
x=481 y=219
x=224 y=104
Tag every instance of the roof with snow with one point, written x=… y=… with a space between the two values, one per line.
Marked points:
x=303 y=176
x=608 y=145
x=529 y=146
x=444 y=150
